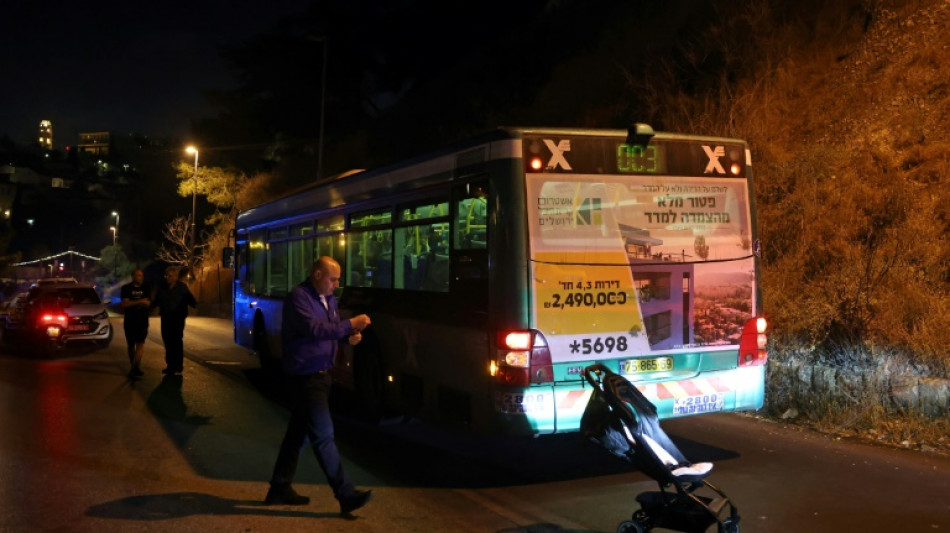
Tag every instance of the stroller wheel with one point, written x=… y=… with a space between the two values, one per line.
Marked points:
x=629 y=526
x=729 y=526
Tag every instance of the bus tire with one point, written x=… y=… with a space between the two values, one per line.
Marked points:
x=368 y=377
x=261 y=347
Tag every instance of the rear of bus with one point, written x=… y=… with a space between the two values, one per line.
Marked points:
x=641 y=256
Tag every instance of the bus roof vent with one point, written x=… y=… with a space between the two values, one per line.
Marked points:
x=639 y=134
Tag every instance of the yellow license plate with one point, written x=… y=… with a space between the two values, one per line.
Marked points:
x=656 y=364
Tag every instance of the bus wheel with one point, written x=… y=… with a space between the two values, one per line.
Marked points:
x=261 y=348
x=368 y=380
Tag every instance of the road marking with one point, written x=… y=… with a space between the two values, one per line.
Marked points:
x=236 y=363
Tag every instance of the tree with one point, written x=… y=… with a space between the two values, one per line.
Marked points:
x=219 y=187
x=114 y=264
x=700 y=247
x=176 y=250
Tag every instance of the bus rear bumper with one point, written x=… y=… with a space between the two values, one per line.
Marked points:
x=558 y=408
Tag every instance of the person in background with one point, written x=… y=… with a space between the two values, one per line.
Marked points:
x=172 y=300
x=311 y=332
x=135 y=304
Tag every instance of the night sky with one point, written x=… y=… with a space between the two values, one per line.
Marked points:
x=119 y=66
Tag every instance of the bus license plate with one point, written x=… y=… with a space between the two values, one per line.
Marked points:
x=657 y=364
x=694 y=405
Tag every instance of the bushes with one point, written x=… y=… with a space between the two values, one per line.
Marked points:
x=845 y=111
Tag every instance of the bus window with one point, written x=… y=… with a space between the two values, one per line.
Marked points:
x=301 y=258
x=333 y=245
x=425 y=211
x=370 y=259
x=257 y=263
x=301 y=230
x=277 y=282
x=277 y=233
x=472 y=218
x=422 y=257
x=334 y=223
x=376 y=217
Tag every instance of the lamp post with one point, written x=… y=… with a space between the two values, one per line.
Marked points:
x=115 y=251
x=194 y=191
x=115 y=233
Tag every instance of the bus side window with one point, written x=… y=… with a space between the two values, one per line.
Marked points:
x=471 y=223
x=422 y=257
x=369 y=259
x=257 y=263
x=240 y=264
x=277 y=278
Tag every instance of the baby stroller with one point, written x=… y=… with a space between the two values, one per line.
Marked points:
x=622 y=420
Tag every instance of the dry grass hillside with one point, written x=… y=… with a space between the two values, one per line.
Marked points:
x=847 y=110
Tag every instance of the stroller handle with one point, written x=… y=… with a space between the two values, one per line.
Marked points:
x=596 y=368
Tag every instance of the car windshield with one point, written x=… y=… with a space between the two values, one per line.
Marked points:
x=79 y=295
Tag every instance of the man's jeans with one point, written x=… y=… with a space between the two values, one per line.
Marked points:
x=310 y=421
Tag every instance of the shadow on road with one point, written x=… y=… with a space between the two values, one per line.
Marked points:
x=182 y=504
x=406 y=452
x=168 y=406
x=402 y=451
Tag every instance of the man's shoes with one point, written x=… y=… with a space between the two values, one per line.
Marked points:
x=171 y=372
x=354 y=501
x=285 y=495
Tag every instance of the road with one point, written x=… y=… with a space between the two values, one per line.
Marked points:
x=84 y=450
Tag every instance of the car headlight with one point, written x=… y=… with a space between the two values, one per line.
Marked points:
x=100 y=316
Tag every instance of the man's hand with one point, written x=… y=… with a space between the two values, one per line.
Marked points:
x=359 y=322
x=355 y=338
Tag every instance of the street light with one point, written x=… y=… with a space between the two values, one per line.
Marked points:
x=115 y=234
x=194 y=191
x=115 y=251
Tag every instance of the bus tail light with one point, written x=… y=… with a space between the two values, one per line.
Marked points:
x=752 y=343
x=523 y=358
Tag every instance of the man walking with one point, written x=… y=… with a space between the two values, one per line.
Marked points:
x=135 y=304
x=172 y=300
x=311 y=332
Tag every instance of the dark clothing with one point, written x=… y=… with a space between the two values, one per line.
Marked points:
x=310 y=421
x=172 y=303
x=311 y=334
x=173 y=334
x=136 y=313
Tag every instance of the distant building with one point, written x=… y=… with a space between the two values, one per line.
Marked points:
x=46 y=135
x=97 y=143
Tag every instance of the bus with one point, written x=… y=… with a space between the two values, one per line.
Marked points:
x=496 y=269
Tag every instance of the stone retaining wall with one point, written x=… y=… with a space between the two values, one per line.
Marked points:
x=801 y=385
